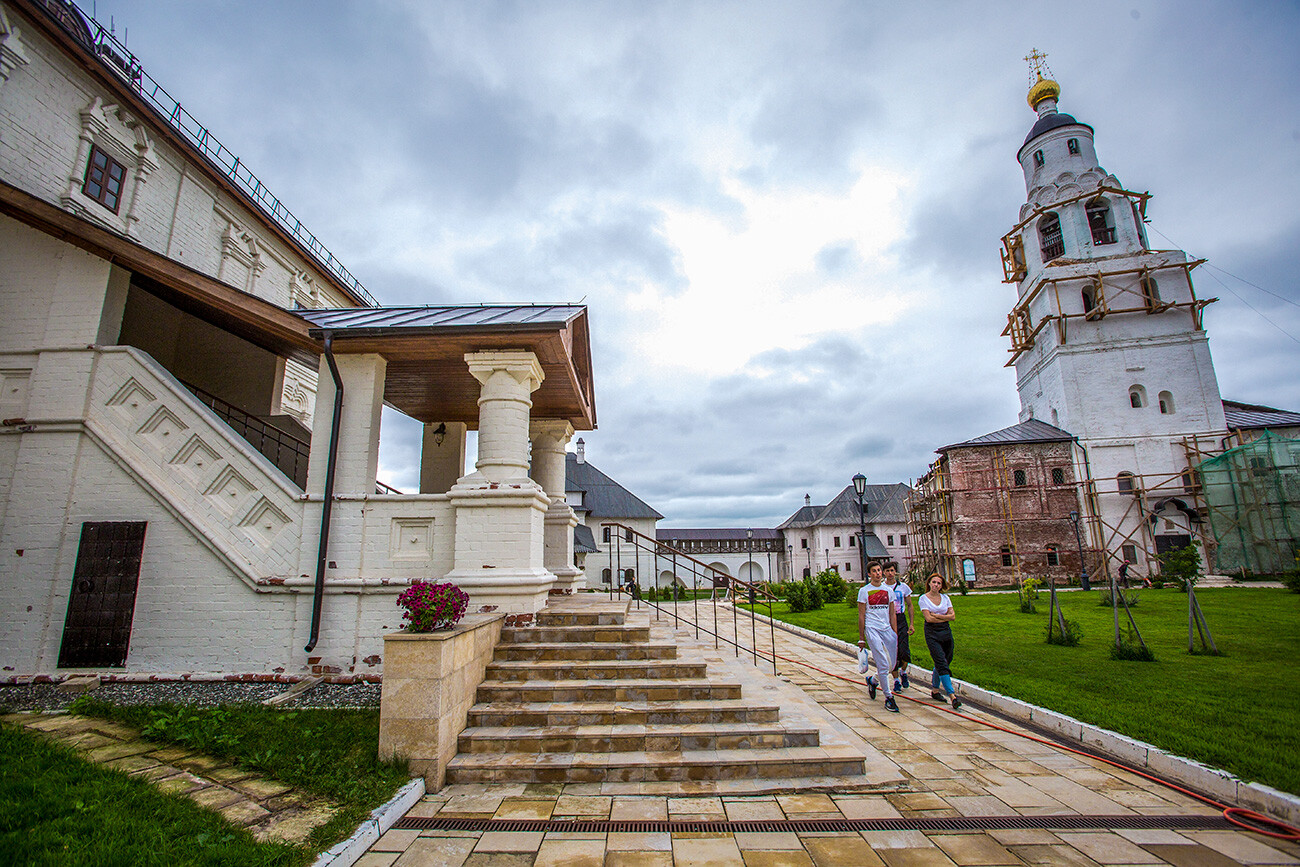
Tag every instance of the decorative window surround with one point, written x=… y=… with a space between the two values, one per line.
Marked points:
x=121 y=136
x=12 y=56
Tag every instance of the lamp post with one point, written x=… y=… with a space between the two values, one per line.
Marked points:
x=1083 y=568
x=860 y=488
x=753 y=598
x=789 y=562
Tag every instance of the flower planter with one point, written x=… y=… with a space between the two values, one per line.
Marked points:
x=430 y=679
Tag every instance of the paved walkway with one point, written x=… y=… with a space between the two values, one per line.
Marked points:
x=932 y=765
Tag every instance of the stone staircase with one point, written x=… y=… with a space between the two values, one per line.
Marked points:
x=585 y=697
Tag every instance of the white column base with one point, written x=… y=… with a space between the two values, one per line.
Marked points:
x=499 y=545
x=560 y=521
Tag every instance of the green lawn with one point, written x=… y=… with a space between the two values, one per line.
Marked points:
x=1239 y=712
x=65 y=810
x=57 y=808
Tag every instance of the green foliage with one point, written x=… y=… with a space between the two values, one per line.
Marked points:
x=652 y=595
x=1070 y=638
x=851 y=595
x=805 y=595
x=1292 y=580
x=1129 y=597
x=1182 y=566
x=1027 y=592
x=61 y=809
x=1134 y=651
x=832 y=585
x=206 y=732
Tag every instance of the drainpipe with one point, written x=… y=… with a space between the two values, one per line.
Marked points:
x=328 y=504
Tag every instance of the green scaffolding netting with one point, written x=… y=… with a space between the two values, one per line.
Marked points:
x=1253 y=494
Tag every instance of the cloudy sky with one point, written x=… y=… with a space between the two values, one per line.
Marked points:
x=784 y=216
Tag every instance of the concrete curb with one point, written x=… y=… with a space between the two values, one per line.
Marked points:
x=348 y=852
x=1202 y=778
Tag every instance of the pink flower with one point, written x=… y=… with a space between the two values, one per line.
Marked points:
x=432 y=606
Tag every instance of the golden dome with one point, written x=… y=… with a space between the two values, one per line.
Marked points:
x=1044 y=88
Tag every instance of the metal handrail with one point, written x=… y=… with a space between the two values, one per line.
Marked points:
x=121 y=62
x=289 y=454
x=619 y=534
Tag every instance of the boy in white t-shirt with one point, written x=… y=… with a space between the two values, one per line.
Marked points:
x=876 y=630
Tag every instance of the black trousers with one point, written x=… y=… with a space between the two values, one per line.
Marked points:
x=904 y=644
x=938 y=639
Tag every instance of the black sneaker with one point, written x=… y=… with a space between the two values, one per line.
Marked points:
x=906 y=682
x=891 y=705
x=871 y=687
x=897 y=685
x=956 y=702
x=938 y=696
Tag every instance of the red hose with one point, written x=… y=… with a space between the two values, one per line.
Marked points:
x=1235 y=815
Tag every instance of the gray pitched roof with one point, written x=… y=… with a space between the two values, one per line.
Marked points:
x=692 y=534
x=1032 y=431
x=602 y=497
x=584 y=541
x=478 y=316
x=884 y=503
x=1246 y=416
x=802 y=518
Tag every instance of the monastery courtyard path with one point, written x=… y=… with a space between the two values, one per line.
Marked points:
x=925 y=764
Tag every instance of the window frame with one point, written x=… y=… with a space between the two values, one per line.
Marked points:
x=1058 y=475
x=105 y=174
x=1053 y=555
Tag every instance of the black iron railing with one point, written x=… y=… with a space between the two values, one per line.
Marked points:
x=286 y=451
x=629 y=548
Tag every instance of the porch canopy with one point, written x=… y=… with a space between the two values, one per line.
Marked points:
x=427 y=377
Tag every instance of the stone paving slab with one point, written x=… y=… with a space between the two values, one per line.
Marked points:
x=933 y=763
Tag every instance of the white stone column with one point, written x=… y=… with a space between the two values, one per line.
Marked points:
x=441 y=463
x=549 y=439
x=500 y=512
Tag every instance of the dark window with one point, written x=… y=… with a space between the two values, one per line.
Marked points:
x=1053 y=556
x=104 y=177
x=1089 y=300
x=853 y=541
x=1124 y=482
x=604 y=534
x=1137 y=397
x=803 y=543
x=1191 y=480
x=627 y=535
x=1038 y=159
x=629 y=575
x=1020 y=478
x=1150 y=294
x=604 y=576
x=848 y=567
x=1129 y=552
x=1073 y=145
x=902 y=540
x=1058 y=475
x=1100 y=224
x=807 y=573
x=890 y=540
x=1166 y=403
x=1008 y=555
x=1049 y=237
x=837 y=541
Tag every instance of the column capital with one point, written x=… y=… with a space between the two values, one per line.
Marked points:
x=521 y=364
x=550 y=432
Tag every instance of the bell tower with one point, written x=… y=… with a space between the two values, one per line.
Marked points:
x=1107 y=335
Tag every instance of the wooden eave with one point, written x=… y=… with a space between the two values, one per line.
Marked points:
x=255 y=319
x=125 y=96
x=428 y=379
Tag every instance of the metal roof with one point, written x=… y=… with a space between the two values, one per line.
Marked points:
x=1032 y=431
x=584 y=541
x=1245 y=416
x=720 y=533
x=1050 y=122
x=873 y=548
x=387 y=320
x=802 y=518
x=602 y=497
x=884 y=503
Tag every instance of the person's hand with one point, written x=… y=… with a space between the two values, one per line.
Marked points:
x=862 y=642
x=911 y=629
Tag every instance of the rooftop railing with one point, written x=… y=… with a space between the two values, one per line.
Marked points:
x=125 y=65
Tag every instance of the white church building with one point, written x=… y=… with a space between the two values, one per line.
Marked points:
x=178 y=498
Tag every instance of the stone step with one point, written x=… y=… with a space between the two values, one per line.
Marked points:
x=605 y=690
x=604 y=713
x=559 y=634
x=603 y=615
x=689 y=765
x=611 y=669
x=569 y=650
x=629 y=738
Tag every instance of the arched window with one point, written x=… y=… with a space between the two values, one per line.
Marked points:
x=1126 y=483
x=1150 y=294
x=604 y=576
x=1100 y=223
x=1166 y=403
x=1050 y=239
x=807 y=573
x=629 y=575
x=1089 y=299
x=1137 y=396
x=1038 y=159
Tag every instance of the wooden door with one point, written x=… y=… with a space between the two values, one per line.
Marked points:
x=97 y=631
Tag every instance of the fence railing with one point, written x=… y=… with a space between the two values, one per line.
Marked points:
x=126 y=66
x=286 y=451
x=628 y=548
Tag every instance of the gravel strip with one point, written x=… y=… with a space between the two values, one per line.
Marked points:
x=46 y=696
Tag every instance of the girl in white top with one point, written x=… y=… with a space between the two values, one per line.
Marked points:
x=876 y=629
x=936 y=608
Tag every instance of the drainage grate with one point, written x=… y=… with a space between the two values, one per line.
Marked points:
x=920 y=823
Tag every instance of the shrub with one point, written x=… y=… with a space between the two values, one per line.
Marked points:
x=1292 y=580
x=851 y=595
x=1070 y=638
x=805 y=595
x=1028 y=593
x=832 y=585
x=778 y=589
x=1132 y=650
x=652 y=595
x=1182 y=566
x=1126 y=597
x=432 y=606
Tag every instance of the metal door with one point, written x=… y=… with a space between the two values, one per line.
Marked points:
x=97 y=631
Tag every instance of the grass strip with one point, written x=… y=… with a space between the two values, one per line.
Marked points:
x=1239 y=712
x=57 y=808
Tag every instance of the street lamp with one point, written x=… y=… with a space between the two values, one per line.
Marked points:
x=1083 y=568
x=753 y=599
x=860 y=488
x=789 y=562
